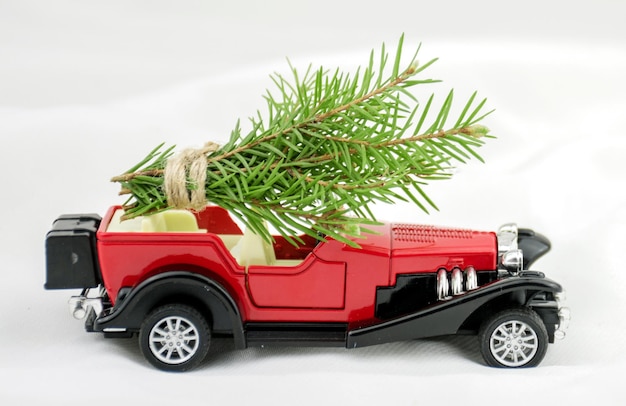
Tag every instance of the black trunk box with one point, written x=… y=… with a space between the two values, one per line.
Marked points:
x=71 y=253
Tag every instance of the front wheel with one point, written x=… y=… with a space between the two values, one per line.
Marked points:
x=175 y=338
x=514 y=338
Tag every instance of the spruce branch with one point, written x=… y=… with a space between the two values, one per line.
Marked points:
x=329 y=146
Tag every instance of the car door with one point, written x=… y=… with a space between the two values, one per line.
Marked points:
x=309 y=284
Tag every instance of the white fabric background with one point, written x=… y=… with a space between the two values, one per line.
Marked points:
x=87 y=89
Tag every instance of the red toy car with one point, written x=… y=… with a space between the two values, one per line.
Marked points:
x=178 y=278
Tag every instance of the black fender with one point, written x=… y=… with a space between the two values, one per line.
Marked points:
x=208 y=296
x=548 y=309
x=449 y=316
x=533 y=246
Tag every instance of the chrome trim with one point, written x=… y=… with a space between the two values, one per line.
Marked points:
x=114 y=330
x=512 y=261
x=443 y=287
x=471 y=278
x=80 y=305
x=564 y=315
x=507 y=237
x=456 y=281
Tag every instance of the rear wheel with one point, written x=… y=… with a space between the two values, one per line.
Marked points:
x=514 y=338
x=175 y=338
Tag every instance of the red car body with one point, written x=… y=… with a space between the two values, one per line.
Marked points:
x=334 y=283
x=319 y=293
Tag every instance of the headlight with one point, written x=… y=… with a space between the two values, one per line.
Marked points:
x=507 y=238
x=512 y=261
x=560 y=297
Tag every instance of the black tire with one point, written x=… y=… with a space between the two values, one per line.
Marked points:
x=180 y=352
x=513 y=338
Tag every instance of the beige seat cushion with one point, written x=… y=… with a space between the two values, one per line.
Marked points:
x=170 y=220
x=252 y=249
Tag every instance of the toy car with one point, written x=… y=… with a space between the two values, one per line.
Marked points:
x=179 y=278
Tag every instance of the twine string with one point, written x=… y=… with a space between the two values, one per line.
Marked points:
x=185 y=177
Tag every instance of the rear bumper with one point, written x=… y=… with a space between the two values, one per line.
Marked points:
x=80 y=306
x=91 y=307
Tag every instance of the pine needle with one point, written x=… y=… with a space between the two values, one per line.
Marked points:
x=331 y=145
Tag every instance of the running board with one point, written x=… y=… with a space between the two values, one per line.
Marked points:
x=296 y=334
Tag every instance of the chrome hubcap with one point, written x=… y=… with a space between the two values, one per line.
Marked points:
x=513 y=343
x=174 y=340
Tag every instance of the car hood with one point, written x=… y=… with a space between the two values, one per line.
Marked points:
x=425 y=248
x=441 y=247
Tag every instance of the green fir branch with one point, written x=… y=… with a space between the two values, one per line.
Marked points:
x=329 y=147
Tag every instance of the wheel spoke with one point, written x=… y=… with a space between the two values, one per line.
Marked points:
x=160 y=331
x=503 y=331
x=170 y=351
x=186 y=348
x=500 y=349
x=170 y=325
x=162 y=350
